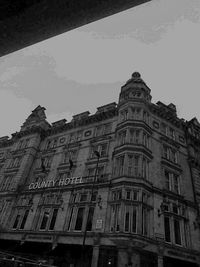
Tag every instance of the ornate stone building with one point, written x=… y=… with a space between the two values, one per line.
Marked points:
x=117 y=188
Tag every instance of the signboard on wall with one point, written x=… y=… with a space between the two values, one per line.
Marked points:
x=99 y=224
x=55 y=183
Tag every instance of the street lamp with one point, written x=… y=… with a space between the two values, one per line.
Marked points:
x=90 y=201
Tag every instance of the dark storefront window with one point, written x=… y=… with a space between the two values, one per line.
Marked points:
x=79 y=219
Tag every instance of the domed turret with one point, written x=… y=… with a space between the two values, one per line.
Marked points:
x=135 y=89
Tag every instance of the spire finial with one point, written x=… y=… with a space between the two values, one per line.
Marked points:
x=136 y=75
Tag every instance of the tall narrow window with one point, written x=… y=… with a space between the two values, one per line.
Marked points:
x=24 y=219
x=79 y=219
x=166 y=152
x=53 y=219
x=127 y=219
x=145 y=221
x=103 y=150
x=122 y=138
x=176 y=183
x=137 y=136
x=172 y=133
x=177 y=232
x=130 y=165
x=70 y=218
x=44 y=220
x=167 y=229
x=134 y=220
x=118 y=217
x=136 y=165
x=90 y=219
x=16 y=221
x=167 y=180
x=121 y=165
x=132 y=136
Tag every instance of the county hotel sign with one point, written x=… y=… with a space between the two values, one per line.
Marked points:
x=55 y=183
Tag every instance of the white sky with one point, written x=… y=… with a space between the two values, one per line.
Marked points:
x=85 y=68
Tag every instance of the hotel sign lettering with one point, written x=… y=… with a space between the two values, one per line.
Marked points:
x=55 y=183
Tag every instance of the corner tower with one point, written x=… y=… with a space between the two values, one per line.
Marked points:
x=134 y=90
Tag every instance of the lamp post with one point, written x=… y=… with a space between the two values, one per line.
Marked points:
x=90 y=201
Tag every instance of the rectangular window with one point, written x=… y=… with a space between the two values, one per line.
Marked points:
x=135 y=195
x=177 y=232
x=122 y=138
x=137 y=136
x=145 y=168
x=24 y=219
x=79 y=219
x=119 y=168
x=134 y=220
x=130 y=165
x=167 y=180
x=172 y=133
x=70 y=218
x=90 y=219
x=176 y=183
x=128 y=195
x=112 y=217
x=53 y=219
x=167 y=229
x=174 y=157
x=164 y=129
x=132 y=136
x=103 y=150
x=127 y=219
x=145 y=221
x=16 y=221
x=44 y=220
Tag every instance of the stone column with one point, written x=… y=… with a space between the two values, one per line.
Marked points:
x=160 y=261
x=95 y=256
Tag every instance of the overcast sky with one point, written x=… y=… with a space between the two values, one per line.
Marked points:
x=85 y=68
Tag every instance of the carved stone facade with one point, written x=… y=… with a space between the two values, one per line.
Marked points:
x=117 y=188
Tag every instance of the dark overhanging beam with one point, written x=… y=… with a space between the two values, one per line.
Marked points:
x=26 y=22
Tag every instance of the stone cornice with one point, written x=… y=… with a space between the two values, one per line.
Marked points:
x=6 y=143
x=83 y=122
x=32 y=130
x=167 y=115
